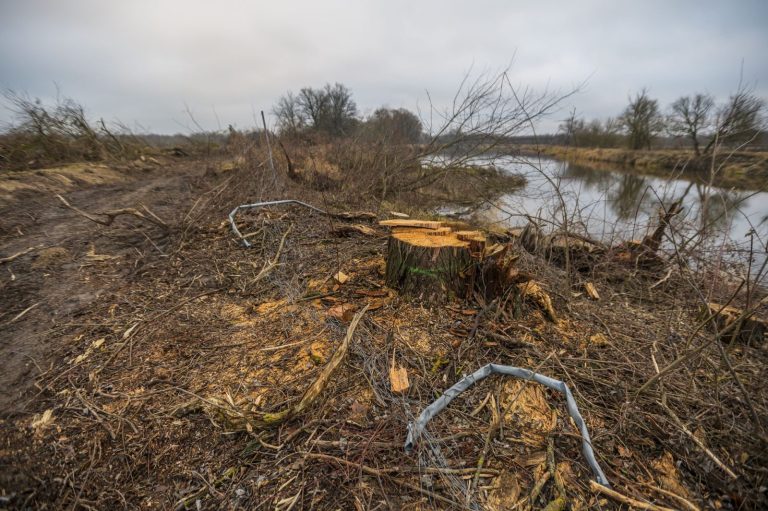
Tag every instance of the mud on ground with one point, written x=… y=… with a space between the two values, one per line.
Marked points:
x=134 y=359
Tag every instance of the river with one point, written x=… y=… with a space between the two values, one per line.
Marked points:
x=613 y=205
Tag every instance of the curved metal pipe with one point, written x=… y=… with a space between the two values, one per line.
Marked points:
x=416 y=428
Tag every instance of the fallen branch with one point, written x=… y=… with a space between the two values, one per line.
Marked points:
x=22 y=313
x=19 y=254
x=317 y=387
x=486 y=472
x=698 y=442
x=361 y=215
x=599 y=488
x=111 y=215
x=685 y=502
x=384 y=473
x=271 y=264
x=185 y=502
x=692 y=353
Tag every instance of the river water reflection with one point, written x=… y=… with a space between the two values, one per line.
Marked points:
x=612 y=204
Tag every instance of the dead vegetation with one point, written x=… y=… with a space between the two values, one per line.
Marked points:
x=285 y=375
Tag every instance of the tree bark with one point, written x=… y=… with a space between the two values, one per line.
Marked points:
x=434 y=267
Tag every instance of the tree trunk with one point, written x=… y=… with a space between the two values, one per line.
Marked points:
x=435 y=264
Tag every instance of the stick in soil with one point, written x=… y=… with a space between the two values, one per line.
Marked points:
x=111 y=215
x=599 y=488
x=314 y=390
x=19 y=254
x=388 y=474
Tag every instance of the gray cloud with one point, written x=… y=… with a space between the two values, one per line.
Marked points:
x=141 y=61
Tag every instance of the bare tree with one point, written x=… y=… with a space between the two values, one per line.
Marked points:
x=330 y=110
x=739 y=120
x=570 y=127
x=690 y=117
x=290 y=118
x=59 y=132
x=341 y=113
x=486 y=111
x=594 y=133
x=642 y=120
x=314 y=105
x=399 y=126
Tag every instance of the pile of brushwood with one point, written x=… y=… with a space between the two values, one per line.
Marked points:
x=284 y=376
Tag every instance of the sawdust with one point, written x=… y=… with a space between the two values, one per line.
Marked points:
x=318 y=352
x=50 y=257
x=505 y=494
x=527 y=411
x=236 y=314
x=668 y=475
x=271 y=308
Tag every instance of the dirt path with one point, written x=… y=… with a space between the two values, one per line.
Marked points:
x=44 y=290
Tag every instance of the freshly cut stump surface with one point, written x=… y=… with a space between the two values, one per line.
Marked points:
x=430 y=261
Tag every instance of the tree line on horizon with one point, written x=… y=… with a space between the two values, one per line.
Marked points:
x=330 y=111
x=696 y=121
x=60 y=132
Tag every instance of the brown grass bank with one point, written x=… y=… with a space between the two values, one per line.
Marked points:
x=741 y=170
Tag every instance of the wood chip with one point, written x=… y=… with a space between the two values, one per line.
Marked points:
x=417 y=224
x=377 y=303
x=343 y=312
x=533 y=292
x=398 y=378
x=591 y=291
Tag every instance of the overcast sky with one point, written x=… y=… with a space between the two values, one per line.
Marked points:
x=141 y=61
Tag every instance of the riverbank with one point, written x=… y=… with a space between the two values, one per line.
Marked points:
x=740 y=170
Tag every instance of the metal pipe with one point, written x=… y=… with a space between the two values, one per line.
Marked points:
x=416 y=428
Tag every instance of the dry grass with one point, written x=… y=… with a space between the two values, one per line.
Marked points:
x=741 y=170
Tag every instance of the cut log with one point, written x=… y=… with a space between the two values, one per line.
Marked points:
x=752 y=328
x=581 y=251
x=415 y=224
x=351 y=229
x=591 y=291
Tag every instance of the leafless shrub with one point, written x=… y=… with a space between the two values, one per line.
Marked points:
x=61 y=132
x=381 y=161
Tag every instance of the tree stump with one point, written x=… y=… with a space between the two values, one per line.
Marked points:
x=432 y=262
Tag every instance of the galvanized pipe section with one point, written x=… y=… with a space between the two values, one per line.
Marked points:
x=416 y=428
